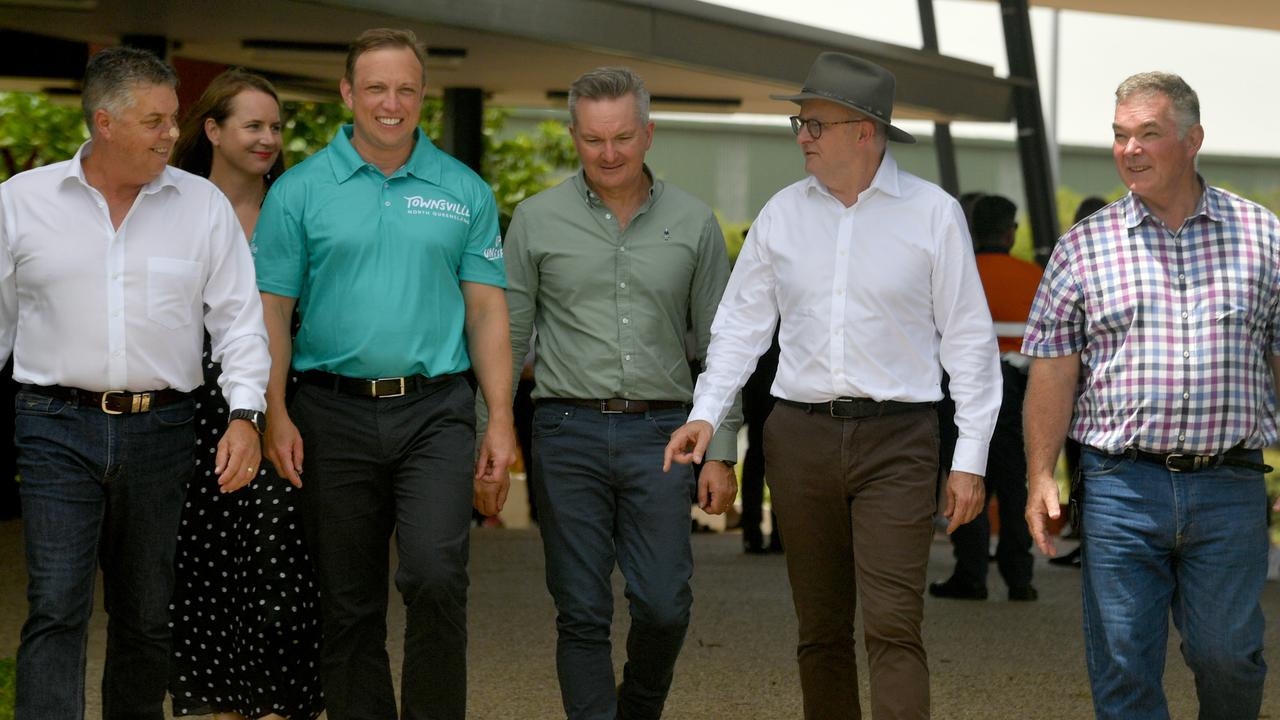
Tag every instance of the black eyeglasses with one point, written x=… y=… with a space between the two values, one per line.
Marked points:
x=815 y=126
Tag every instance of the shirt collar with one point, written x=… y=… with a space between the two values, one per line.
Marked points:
x=1209 y=205
x=585 y=191
x=423 y=163
x=886 y=179
x=75 y=171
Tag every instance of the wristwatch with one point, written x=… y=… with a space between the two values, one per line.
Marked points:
x=256 y=418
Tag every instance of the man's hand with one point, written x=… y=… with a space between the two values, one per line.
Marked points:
x=695 y=435
x=717 y=487
x=239 y=453
x=492 y=478
x=1042 y=505
x=966 y=497
x=284 y=447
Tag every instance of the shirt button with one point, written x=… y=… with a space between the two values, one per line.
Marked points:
x=622 y=285
x=626 y=321
x=627 y=358
x=1184 y=313
x=1186 y=396
x=116 y=354
x=387 y=203
x=1182 y=276
x=1182 y=437
x=386 y=185
x=608 y=216
x=115 y=276
x=622 y=249
x=1186 y=353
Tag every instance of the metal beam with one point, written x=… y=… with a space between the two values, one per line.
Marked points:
x=942 y=145
x=1033 y=144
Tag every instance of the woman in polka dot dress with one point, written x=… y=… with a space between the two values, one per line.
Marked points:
x=246 y=628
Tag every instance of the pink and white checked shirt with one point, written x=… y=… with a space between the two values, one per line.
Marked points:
x=1175 y=328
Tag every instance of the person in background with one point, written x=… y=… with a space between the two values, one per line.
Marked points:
x=1009 y=285
x=246 y=630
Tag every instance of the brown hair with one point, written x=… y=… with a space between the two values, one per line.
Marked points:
x=380 y=38
x=194 y=152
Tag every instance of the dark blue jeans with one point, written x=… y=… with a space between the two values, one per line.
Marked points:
x=1194 y=544
x=604 y=499
x=373 y=466
x=106 y=489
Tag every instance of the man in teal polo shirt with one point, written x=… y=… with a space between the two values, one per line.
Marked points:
x=612 y=266
x=390 y=250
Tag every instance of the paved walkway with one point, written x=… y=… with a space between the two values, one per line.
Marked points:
x=990 y=660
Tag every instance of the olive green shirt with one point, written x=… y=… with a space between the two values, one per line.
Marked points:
x=618 y=313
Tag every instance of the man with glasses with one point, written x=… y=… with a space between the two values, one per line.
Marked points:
x=869 y=271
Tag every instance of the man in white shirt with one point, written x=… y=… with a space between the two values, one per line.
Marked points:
x=871 y=274
x=108 y=264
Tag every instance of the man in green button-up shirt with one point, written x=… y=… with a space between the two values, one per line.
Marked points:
x=613 y=267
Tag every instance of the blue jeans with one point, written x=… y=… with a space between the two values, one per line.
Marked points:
x=109 y=489
x=604 y=499
x=1160 y=541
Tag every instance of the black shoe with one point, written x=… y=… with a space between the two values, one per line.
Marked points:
x=754 y=548
x=1071 y=559
x=954 y=589
x=1024 y=593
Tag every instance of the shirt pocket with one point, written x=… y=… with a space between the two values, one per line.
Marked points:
x=172 y=287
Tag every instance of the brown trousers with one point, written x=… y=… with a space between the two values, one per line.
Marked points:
x=855 y=499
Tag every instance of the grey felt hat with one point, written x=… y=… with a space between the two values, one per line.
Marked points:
x=854 y=83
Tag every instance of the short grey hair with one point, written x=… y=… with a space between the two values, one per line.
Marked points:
x=113 y=74
x=609 y=83
x=1185 y=102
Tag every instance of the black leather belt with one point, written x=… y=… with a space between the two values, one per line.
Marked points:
x=1185 y=462
x=858 y=408
x=111 y=402
x=392 y=387
x=619 y=405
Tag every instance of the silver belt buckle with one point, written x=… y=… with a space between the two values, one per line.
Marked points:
x=393 y=379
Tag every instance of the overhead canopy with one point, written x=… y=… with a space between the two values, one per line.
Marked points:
x=1259 y=14
x=693 y=56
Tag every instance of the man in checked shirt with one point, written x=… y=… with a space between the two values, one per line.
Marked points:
x=1157 y=324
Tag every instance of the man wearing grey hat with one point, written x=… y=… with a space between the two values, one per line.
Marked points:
x=868 y=272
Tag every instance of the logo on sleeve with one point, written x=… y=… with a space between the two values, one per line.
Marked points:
x=437 y=207
x=495 y=252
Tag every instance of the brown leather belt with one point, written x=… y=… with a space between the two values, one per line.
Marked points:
x=392 y=387
x=857 y=408
x=619 y=405
x=111 y=402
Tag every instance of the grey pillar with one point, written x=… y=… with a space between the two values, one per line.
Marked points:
x=1033 y=142
x=948 y=175
x=463 y=135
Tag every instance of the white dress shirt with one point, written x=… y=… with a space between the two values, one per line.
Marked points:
x=875 y=300
x=84 y=304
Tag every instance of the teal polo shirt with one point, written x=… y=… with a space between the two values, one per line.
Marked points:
x=376 y=262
